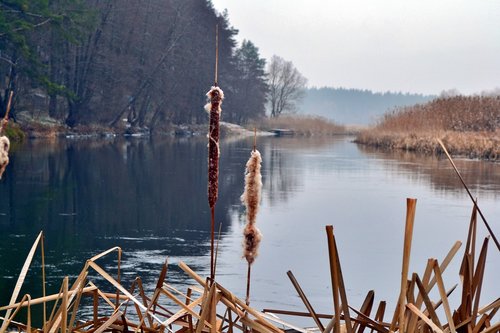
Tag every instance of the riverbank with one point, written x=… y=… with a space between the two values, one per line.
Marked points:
x=475 y=145
x=469 y=126
x=48 y=128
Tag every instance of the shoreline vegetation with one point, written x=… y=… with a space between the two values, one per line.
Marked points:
x=469 y=126
x=47 y=128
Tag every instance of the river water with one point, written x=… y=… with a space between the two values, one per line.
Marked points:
x=148 y=196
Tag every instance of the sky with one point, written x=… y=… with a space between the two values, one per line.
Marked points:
x=385 y=45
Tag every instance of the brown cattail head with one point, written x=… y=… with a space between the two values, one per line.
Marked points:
x=4 y=153
x=251 y=198
x=216 y=95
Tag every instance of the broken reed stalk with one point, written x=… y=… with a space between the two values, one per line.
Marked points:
x=251 y=199
x=306 y=302
x=215 y=95
x=334 y=277
x=469 y=193
x=43 y=281
x=338 y=287
x=410 y=218
x=20 y=280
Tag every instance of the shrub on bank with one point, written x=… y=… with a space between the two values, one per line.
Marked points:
x=14 y=132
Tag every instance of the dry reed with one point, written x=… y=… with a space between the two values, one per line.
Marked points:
x=468 y=125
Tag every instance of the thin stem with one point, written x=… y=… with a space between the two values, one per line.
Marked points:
x=470 y=195
x=217 y=248
x=254 y=139
x=212 y=227
x=216 y=52
x=247 y=300
x=43 y=284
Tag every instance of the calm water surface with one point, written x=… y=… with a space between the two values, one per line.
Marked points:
x=148 y=196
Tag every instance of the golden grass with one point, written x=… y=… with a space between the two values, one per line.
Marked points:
x=468 y=126
x=303 y=125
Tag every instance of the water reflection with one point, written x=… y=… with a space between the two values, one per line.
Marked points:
x=148 y=196
x=482 y=178
x=283 y=170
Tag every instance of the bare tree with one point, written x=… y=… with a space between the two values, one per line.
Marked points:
x=286 y=86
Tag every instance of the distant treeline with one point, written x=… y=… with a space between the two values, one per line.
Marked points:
x=150 y=62
x=355 y=106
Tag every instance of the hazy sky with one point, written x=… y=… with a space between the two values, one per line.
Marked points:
x=412 y=46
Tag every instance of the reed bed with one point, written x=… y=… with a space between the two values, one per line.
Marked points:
x=209 y=307
x=468 y=125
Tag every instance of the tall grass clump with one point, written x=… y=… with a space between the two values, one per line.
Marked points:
x=468 y=125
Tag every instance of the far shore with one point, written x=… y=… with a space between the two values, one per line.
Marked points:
x=47 y=128
x=469 y=126
x=473 y=145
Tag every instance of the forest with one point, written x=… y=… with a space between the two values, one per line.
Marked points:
x=148 y=63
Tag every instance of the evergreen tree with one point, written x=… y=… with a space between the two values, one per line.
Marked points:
x=251 y=86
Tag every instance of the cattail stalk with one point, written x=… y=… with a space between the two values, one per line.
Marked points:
x=251 y=198
x=216 y=95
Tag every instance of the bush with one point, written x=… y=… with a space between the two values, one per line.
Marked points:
x=14 y=132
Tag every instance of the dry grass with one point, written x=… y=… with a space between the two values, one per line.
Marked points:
x=303 y=125
x=468 y=125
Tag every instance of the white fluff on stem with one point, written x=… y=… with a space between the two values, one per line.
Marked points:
x=4 y=153
x=251 y=198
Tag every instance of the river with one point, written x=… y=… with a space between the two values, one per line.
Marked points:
x=148 y=196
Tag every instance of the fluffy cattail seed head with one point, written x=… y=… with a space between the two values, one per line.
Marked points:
x=251 y=242
x=251 y=198
x=253 y=186
x=4 y=153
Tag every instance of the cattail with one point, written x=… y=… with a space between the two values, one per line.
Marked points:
x=216 y=95
x=4 y=141
x=4 y=153
x=251 y=198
